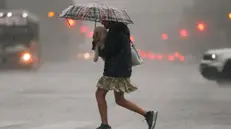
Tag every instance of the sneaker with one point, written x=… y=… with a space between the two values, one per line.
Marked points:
x=151 y=118
x=104 y=126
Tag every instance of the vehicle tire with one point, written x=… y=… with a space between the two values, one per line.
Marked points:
x=226 y=72
x=209 y=75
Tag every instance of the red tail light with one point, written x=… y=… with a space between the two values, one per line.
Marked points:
x=171 y=58
x=183 y=33
x=160 y=57
x=83 y=29
x=164 y=36
x=181 y=58
x=176 y=54
x=151 y=56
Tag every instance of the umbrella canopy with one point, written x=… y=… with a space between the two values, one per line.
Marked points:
x=95 y=12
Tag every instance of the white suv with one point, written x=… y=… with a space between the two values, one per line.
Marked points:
x=216 y=64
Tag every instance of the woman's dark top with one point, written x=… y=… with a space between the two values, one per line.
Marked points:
x=117 y=53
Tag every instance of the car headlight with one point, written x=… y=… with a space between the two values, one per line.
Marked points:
x=214 y=56
x=26 y=57
x=210 y=57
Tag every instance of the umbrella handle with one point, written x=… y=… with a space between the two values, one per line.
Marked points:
x=95 y=24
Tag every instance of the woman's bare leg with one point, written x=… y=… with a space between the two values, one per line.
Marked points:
x=121 y=101
x=102 y=104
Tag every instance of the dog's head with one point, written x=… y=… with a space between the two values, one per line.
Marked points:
x=100 y=34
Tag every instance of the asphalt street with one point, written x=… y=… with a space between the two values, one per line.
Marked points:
x=61 y=96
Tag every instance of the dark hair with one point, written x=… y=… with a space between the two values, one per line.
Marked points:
x=120 y=27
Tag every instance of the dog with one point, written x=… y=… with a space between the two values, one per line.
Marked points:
x=99 y=38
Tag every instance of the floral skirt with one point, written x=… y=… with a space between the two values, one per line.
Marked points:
x=118 y=84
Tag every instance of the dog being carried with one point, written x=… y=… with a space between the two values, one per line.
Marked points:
x=99 y=38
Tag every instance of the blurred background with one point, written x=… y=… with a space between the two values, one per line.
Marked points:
x=163 y=30
x=171 y=36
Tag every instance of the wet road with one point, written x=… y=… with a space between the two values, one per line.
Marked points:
x=61 y=96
